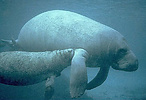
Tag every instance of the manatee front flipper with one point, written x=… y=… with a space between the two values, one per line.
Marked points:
x=100 y=77
x=78 y=79
x=49 y=91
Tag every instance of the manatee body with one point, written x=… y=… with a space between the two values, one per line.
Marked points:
x=58 y=29
x=22 y=68
x=25 y=68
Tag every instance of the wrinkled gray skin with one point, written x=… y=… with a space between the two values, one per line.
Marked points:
x=59 y=29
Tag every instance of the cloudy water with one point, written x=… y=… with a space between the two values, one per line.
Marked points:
x=126 y=16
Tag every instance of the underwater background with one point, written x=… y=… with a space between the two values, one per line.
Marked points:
x=126 y=16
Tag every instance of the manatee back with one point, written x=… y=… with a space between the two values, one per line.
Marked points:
x=60 y=30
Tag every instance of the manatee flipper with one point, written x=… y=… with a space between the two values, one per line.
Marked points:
x=99 y=78
x=78 y=78
x=49 y=90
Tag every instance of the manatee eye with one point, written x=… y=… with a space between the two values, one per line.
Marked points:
x=122 y=52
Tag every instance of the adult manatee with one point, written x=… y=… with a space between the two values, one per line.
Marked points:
x=59 y=29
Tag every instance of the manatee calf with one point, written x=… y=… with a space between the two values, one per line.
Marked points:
x=58 y=29
x=26 y=68
x=21 y=68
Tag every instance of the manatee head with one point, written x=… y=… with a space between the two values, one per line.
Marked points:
x=118 y=56
x=124 y=58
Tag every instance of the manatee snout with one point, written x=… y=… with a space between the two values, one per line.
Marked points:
x=128 y=62
x=134 y=66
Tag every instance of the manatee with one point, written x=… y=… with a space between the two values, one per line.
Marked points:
x=21 y=68
x=58 y=29
x=26 y=68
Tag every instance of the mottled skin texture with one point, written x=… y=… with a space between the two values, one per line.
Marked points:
x=21 y=68
x=59 y=29
x=26 y=68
